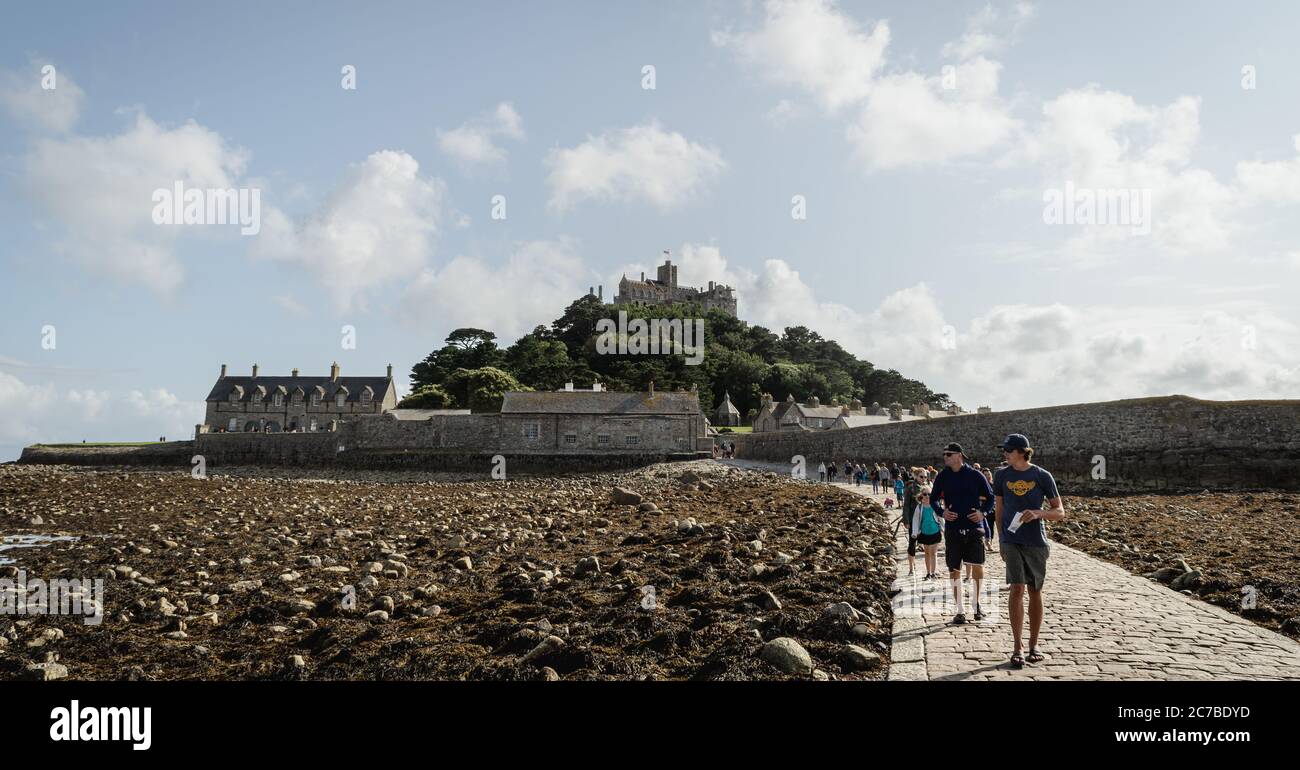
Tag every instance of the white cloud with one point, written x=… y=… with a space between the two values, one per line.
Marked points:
x=53 y=110
x=911 y=119
x=904 y=118
x=291 y=305
x=644 y=163
x=989 y=31
x=32 y=413
x=812 y=45
x=378 y=225
x=472 y=143
x=1271 y=182
x=100 y=188
x=537 y=280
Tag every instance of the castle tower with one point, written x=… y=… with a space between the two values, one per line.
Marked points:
x=668 y=273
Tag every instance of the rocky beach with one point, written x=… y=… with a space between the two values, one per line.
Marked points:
x=671 y=572
x=1237 y=550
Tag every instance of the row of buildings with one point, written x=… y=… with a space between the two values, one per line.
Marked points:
x=566 y=421
x=792 y=415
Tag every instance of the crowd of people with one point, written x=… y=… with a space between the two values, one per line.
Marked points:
x=964 y=507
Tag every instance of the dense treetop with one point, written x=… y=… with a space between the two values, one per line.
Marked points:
x=471 y=370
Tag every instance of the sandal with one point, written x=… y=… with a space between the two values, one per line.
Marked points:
x=1017 y=660
x=1035 y=656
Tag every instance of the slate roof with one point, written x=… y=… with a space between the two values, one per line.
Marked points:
x=726 y=405
x=603 y=402
x=353 y=386
x=824 y=412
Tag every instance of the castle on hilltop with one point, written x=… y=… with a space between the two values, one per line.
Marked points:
x=664 y=290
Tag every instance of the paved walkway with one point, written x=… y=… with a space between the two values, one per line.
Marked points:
x=1101 y=622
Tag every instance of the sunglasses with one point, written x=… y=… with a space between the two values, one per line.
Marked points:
x=949 y=454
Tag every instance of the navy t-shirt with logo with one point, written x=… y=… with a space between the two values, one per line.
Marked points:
x=1026 y=490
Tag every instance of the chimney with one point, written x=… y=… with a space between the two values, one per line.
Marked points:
x=710 y=285
x=591 y=289
x=223 y=372
x=642 y=276
x=295 y=372
x=568 y=387
x=390 y=371
x=334 y=372
x=254 y=370
x=600 y=292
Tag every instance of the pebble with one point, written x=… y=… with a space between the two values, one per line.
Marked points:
x=787 y=655
x=45 y=672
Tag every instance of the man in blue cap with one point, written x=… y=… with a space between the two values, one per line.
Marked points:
x=1020 y=488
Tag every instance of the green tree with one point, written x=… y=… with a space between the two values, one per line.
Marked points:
x=427 y=397
x=539 y=361
x=482 y=390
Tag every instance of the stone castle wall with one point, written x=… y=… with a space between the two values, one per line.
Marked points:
x=1170 y=442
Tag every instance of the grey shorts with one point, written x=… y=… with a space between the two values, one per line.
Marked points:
x=1025 y=564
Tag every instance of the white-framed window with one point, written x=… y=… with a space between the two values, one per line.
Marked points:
x=632 y=440
x=571 y=439
x=602 y=440
x=277 y=399
x=234 y=396
x=365 y=399
x=340 y=400
x=257 y=398
x=315 y=399
x=233 y=425
x=532 y=430
x=313 y=424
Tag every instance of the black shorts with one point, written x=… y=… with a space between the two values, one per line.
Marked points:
x=963 y=547
x=929 y=539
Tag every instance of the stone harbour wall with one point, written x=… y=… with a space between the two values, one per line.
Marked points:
x=1171 y=442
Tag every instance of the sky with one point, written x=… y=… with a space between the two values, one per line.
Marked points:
x=909 y=179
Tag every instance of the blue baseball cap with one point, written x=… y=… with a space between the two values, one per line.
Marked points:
x=1015 y=441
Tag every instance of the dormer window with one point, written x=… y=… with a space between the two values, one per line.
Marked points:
x=278 y=400
x=366 y=396
x=341 y=400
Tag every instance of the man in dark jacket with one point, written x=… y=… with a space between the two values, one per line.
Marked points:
x=965 y=498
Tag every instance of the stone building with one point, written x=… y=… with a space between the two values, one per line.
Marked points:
x=294 y=403
x=726 y=414
x=664 y=290
x=792 y=415
x=582 y=421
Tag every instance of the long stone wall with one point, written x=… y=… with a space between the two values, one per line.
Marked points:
x=445 y=442
x=1172 y=442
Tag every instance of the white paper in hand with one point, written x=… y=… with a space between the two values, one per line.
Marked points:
x=1015 y=521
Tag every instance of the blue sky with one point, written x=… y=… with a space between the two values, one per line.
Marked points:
x=924 y=247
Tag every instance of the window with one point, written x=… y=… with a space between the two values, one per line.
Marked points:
x=602 y=440
x=315 y=399
x=313 y=424
x=257 y=398
x=365 y=398
x=277 y=399
x=340 y=400
x=632 y=440
x=233 y=425
x=571 y=439
x=234 y=396
x=532 y=430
